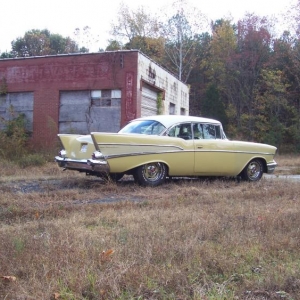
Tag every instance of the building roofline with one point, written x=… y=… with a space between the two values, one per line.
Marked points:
x=65 y=54
x=90 y=53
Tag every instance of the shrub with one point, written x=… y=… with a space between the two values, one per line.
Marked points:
x=14 y=143
x=34 y=159
x=13 y=137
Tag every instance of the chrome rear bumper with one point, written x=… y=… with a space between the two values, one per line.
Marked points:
x=98 y=165
x=81 y=165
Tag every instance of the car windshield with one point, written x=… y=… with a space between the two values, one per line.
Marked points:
x=149 y=127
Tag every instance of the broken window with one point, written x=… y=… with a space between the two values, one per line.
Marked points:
x=106 y=98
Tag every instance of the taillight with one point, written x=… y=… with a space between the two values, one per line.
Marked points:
x=97 y=155
x=62 y=153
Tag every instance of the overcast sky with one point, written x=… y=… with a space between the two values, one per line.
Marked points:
x=63 y=16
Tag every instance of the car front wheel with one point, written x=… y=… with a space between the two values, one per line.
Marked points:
x=253 y=171
x=152 y=174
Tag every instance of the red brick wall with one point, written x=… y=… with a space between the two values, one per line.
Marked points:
x=46 y=76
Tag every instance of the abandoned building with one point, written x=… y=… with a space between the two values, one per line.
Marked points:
x=81 y=93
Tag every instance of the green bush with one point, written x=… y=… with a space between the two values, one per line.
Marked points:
x=14 y=137
x=31 y=160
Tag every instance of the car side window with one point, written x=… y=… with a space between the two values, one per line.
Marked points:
x=197 y=131
x=209 y=131
x=218 y=132
x=206 y=131
x=182 y=131
x=173 y=131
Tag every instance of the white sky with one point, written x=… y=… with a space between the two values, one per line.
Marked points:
x=63 y=16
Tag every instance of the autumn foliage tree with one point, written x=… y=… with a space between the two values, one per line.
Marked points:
x=42 y=42
x=172 y=43
x=239 y=73
x=238 y=54
x=137 y=30
x=286 y=59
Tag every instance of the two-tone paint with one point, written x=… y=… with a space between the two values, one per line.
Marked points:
x=182 y=157
x=152 y=158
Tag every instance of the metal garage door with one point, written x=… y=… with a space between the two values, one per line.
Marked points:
x=149 y=102
x=80 y=113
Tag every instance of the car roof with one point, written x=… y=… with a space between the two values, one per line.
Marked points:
x=169 y=120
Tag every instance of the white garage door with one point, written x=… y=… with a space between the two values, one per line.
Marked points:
x=149 y=102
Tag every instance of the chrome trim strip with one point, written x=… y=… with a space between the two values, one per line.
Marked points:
x=235 y=151
x=176 y=151
x=180 y=148
x=143 y=153
x=138 y=145
x=244 y=152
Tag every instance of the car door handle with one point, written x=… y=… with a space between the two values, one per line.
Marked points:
x=199 y=147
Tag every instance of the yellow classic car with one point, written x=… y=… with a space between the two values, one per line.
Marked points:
x=156 y=147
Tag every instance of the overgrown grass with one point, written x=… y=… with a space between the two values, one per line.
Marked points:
x=288 y=164
x=288 y=160
x=16 y=145
x=190 y=239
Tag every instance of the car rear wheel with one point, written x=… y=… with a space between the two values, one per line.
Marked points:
x=152 y=174
x=253 y=171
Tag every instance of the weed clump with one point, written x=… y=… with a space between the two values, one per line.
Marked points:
x=14 y=140
x=34 y=160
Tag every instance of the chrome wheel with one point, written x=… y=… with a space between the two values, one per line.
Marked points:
x=253 y=171
x=151 y=174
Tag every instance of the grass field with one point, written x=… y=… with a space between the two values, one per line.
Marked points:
x=76 y=237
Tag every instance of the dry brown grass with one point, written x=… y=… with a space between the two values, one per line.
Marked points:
x=288 y=164
x=192 y=239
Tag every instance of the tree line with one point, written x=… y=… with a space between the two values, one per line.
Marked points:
x=240 y=73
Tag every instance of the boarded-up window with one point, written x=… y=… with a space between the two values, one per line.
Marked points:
x=74 y=106
x=14 y=104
